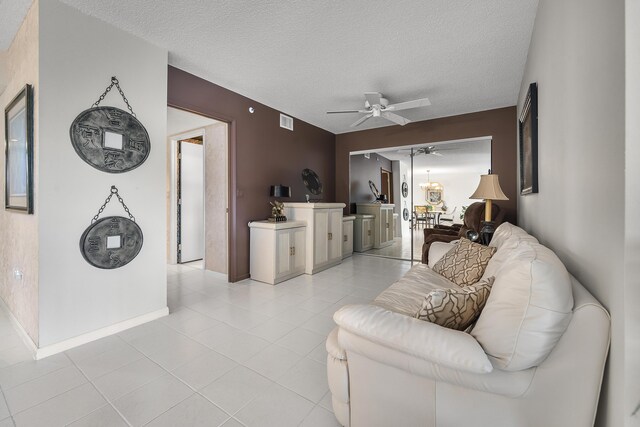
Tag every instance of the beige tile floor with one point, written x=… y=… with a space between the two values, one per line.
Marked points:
x=244 y=354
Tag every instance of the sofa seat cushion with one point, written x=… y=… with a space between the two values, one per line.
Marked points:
x=406 y=295
x=456 y=308
x=528 y=310
x=465 y=263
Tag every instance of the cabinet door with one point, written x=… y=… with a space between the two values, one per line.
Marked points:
x=335 y=234
x=321 y=236
x=283 y=252
x=298 y=238
x=367 y=232
x=347 y=237
x=386 y=232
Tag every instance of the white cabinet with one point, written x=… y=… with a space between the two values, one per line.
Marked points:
x=323 y=233
x=382 y=223
x=347 y=236
x=277 y=250
x=363 y=232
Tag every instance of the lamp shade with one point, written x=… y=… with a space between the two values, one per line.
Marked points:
x=489 y=189
x=280 y=191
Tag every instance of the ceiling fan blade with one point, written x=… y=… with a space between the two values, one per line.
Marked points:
x=373 y=98
x=347 y=111
x=362 y=120
x=409 y=104
x=395 y=118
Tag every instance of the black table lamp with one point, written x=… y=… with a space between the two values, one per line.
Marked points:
x=280 y=191
x=277 y=208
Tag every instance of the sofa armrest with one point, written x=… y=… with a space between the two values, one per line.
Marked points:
x=437 y=251
x=423 y=340
x=430 y=239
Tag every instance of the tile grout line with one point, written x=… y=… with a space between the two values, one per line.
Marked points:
x=195 y=391
x=6 y=404
x=109 y=403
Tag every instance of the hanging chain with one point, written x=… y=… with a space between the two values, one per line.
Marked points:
x=114 y=190
x=116 y=83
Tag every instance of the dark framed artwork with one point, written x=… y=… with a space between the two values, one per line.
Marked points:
x=528 y=124
x=18 y=119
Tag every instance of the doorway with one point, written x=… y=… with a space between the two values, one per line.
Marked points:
x=431 y=188
x=197 y=191
x=386 y=183
x=190 y=203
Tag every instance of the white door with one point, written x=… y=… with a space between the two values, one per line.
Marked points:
x=191 y=202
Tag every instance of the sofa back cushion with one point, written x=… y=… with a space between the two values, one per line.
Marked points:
x=505 y=239
x=528 y=310
x=507 y=231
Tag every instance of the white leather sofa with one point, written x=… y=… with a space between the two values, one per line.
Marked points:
x=534 y=358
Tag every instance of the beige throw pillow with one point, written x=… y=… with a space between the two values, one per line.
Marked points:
x=464 y=264
x=456 y=308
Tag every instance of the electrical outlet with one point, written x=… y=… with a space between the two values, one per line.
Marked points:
x=17 y=274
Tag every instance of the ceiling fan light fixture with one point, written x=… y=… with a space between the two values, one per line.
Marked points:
x=377 y=106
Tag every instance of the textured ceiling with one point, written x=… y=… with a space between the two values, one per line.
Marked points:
x=306 y=57
x=12 y=13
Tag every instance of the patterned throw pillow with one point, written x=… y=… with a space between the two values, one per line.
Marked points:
x=456 y=308
x=464 y=264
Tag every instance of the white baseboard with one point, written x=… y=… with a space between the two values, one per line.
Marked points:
x=18 y=327
x=61 y=346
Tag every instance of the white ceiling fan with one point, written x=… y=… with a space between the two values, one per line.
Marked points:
x=430 y=150
x=377 y=106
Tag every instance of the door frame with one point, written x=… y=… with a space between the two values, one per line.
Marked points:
x=232 y=182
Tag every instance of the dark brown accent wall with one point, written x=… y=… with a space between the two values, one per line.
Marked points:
x=500 y=124
x=363 y=170
x=261 y=153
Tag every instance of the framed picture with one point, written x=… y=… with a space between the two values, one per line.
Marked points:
x=434 y=197
x=528 y=124
x=18 y=120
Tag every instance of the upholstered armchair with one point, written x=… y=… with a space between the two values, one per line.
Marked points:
x=473 y=217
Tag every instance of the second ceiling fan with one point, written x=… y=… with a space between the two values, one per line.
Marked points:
x=377 y=106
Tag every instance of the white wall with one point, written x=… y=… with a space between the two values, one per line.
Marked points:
x=632 y=226
x=18 y=231
x=577 y=58
x=79 y=54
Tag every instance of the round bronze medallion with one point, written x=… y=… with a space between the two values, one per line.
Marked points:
x=110 y=139
x=405 y=189
x=111 y=242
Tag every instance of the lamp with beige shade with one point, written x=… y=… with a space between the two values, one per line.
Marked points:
x=488 y=189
